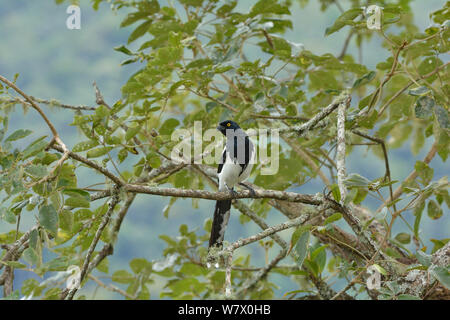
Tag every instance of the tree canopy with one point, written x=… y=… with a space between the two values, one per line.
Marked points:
x=204 y=61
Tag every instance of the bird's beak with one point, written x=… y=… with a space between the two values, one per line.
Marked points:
x=220 y=128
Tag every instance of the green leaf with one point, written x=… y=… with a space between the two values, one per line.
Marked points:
x=139 y=31
x=48 y=218
x=360 y=196
x=137 y=265
x=154 y=161
x=77 y=202
x=199 y=63
x=18 y=134
x=393 y=253
x=364 y=79
x=380 y=269
x=297 y=233
x=393 y=9
x=131 y=132
x=424 y=107
x=407 y=297
x=58 y=264
x=443 y=143
x=66 y=220
x=302 y=247
x=336 y=192
x=425 y=172
x=31 y=286
x=7 y=215
x=167 y=208
x=52 y=294
x=193 y=3
x=344 y=19
x=442 y=117
x=168 y=126
x=191 y=269
x=34 y=148
x=37 y=171
x=117 y=107
x=128 y=61
x=14 y=264
x=132 y=18
x=122 y=155
x=438 y=244
x=319 y=255
x=442 y=274
x=403 y=238
x=419 y=91
x=31 y=256
x=123 y=49
x=103 y=266
x=429 y=64
x=434 y=211
x=85 y=145
x=268 y=7
x=98 y=152
x=74 y=192
x=356 y=180
x=122 y=276
x=423 y=258
x=34 y=238
x=226 y=9
x=334 y=217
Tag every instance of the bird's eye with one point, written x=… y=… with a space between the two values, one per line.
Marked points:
x=228 y=124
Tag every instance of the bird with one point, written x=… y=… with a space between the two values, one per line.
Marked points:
x=234 y=168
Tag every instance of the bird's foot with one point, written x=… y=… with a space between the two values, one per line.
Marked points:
x=252 y=191
x=232 y=192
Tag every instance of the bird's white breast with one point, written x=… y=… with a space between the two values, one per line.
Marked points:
x=229 y=175
x=232 y=173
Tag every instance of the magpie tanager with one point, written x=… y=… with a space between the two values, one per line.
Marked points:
x=235 y=166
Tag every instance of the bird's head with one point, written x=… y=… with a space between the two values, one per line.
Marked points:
x=227 y=125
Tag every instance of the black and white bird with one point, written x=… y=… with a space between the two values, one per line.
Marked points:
x=236 y=165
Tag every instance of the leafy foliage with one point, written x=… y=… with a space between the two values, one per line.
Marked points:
x=194 y=66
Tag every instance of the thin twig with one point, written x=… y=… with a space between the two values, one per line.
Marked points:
x=398 y=93
x=398 y=192
x=52 y=128
x=111 y=287
x=377 y=94
x=112 y=204
x=386 y=159
x=91 y=164
x=32 y=103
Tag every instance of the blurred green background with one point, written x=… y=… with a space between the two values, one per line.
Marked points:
x=54 y=62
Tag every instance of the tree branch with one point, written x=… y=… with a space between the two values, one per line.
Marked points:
x=340 y=162
x=112 y=204
x=398 y=192
x=32 y=103
x=325 y=112
x=91 y=164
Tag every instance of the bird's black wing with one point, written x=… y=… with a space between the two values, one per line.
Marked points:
x=241 y=149
x=224 y=157
x=247 y=154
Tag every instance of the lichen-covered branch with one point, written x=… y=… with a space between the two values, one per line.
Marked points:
x=340 y=156
x=325 y=112
x=420 y=282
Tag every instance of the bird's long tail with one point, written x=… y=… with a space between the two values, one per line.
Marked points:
x=220 y=221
